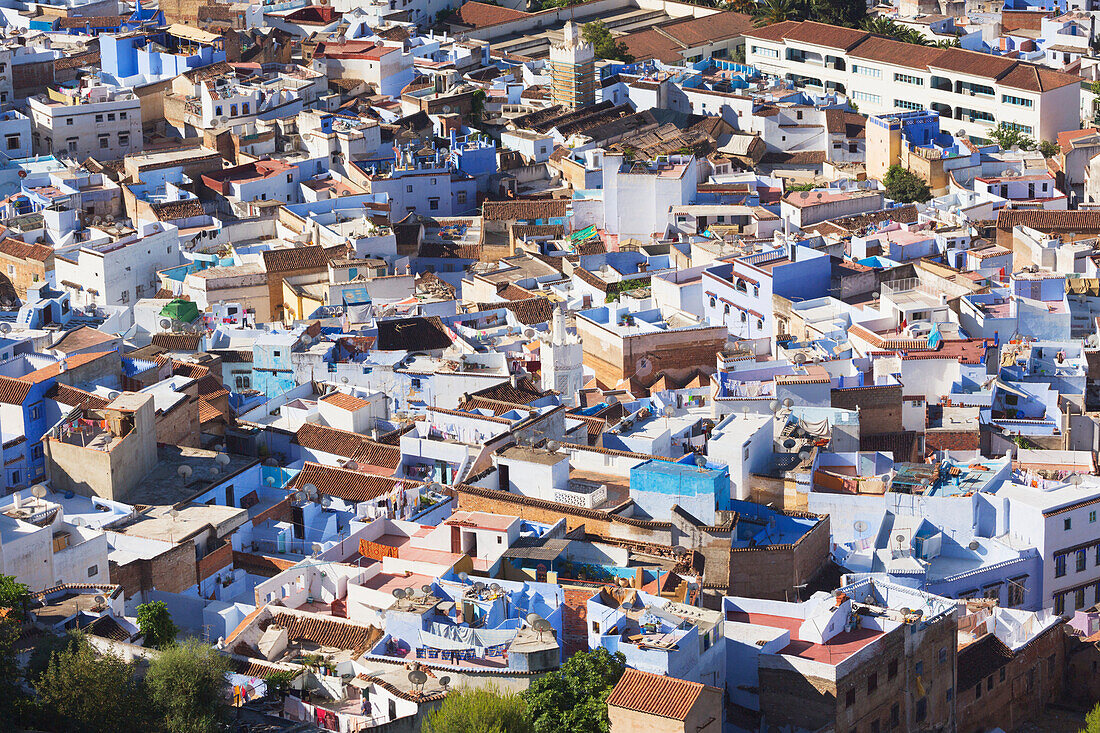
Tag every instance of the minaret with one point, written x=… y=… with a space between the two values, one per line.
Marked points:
x=561 y=356
x=572 y=70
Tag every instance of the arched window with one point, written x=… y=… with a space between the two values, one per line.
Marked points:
x=744 y=317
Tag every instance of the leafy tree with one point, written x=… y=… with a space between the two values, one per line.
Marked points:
x=471 y=710
x=88 y=691
x=278 y=683
x=777 y=11
x=746 y=7
x=1007 y=137
x=477 y=103
x=1049 y=148
x=884 y=26
x=1092 y=721
x=156 y=624
x=905 y=186
x=14 y=595
x=574 y=697
x=187 y=684
x=848 y=13
x=604 y=44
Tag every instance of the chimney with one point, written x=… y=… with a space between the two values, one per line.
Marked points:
x=514 y=379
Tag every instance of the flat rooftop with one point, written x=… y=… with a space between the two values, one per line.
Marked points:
x=833 y=652
x=164 y=486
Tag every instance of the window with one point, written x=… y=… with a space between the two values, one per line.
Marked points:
x=906 y=104
x=1079 y=598
x=1002 y=675
x=850 y=698
x=895 y=715
x=1019 y=101
x=949 y=694
x=922 y=709
x=68 y=120
x=93 y=571
x=408 y=189
x=1026 y=129
x=1080 y=560
x=872 y=683
x=232 y=110
x=218 y=110
x=124 y=139
x=1059 y=566
x=727 y=309
x=277 y=354
x=866 y=97
x=15 y=477
x=124 y=297
x=123 y=115
x=433 y=204
x=1060 y=604
x=892 y=669
x=943 y=654
x=595 y=627
x=460 y=197
x=1067 y=524
x=433 y=181
x=36 y=412
x=72 y=144
x=242 y=382
x=909 y=79
x=770 y=53
x=759 y=323
x=36 y=452
x=1092 y=515
x=713 y=302
x=110 y=116
x=244 y=108
x=978 y=691
x=989 y=683
x=867 y=71
x=1015 y=593
x=756 y=291
x=104 y=141
x=744 y=317
x=99 y=118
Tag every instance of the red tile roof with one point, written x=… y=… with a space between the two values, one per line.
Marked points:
x=77 y=360
x=351 y=486
x=524 y=210
x=23 y=251
x=13 y=391
x=349 y=445
x=665 y=697
x=286 y=259
x=345 y=401
x=523 y=393
x=328 y=632
x=177 y=341
x=479 y=15
x=1077 y=221
x=73 y=397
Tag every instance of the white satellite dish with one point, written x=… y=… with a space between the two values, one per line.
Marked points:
x=166 y=323
x=184 y=471
x=859 y=526
x=6 y=328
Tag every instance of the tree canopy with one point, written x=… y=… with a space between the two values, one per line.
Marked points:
x=1008 y=137
x=156 y=624
x=573 y=698
x=187 y=684
x=603 y=43
x=904 y=186
x=479 y=710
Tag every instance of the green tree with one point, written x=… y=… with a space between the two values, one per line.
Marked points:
x=156 y=624
x=87 y=691
x=904 y=186
x=1009 y=137
x=478 y=710
x=278 y=683
x=604 y=44
x=847 y=13
x=1049 y=148
x=14 y=595
x=187 y=684
x=1092 y=721
x=883 y=26
x=777 y=11
x=574 y=697
x=477 y=104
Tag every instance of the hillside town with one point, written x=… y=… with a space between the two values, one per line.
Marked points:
x=554 y=366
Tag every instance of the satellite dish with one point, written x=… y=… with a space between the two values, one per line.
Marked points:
x=1092 y=340
x=532 y=618
x=222 y=459
x=1076 y=479
x=78 y=522
x=214 y=471
x=670 y=411
x=612 y=399
x=788 y=402
x=553 y=446
x=700 y=461
x=973 y=545
x=166 y=323
x=113 y=395
x=444 y=681
x=859 y=525
x=495 y=587
x=270 y=480
x=173 y=513
x=463 y=577
x=804 y=455
x=38 y=491
x=398 y=593
x=773 y=406
x=351 y=466
x=900 y=539
x=184 y=471
x=800 y=358
x=479 y=586
x=790 y=443
x=298 y=496
x=310 y=490
x=326 y=501
x=418 y=677
x=6 y=328
x=271 y=462
x=100 y=600
x=529 y=332
x=426 y=589
x=344 y=380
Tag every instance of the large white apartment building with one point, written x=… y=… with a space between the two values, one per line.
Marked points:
x=98 y=121
x=976 y=91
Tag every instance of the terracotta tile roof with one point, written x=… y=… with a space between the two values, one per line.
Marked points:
x=73 y=397
x=91 y=21
x=207 y=412
x=587 y=277
x=209 y=72
x=76 y=61
x=287 y=259
x=1047 y=221
x=177 y=210
x=77 y=360
x=511 y=291
x=800 y=157
x=708 y=28
x=345 y=401
x=524 y=393
x=351 y=486
x=528 y=311
x=187 y=369
x=107 y=628
x=980 y=659
x=349 y=445
x=81 y=338
x=108 y=589
x=524 y=210
x=449 y=250
x=1031 y=20
x=250 y=668
x=479 y=15
x=210 y=388
x=497 y=407
x=177 y=341
x=394 y=436
x=1065 y=139
x=412 y=334
x=849 y=124
x=595 y=425
x=328 y=632
x=23 y=251
x=644 y=692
